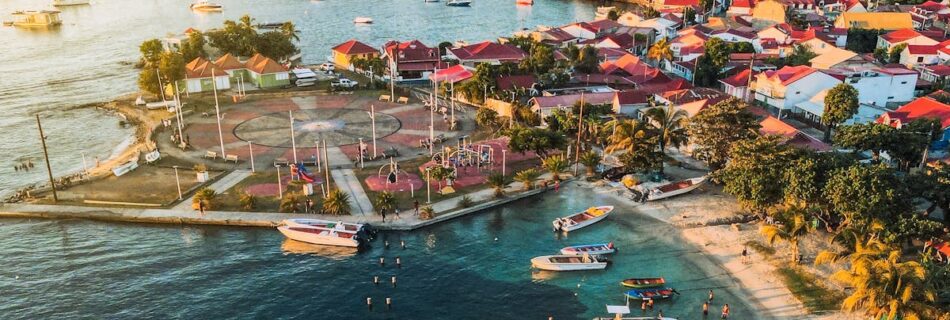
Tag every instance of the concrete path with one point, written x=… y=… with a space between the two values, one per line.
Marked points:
x=346 y=180
x=219 y=186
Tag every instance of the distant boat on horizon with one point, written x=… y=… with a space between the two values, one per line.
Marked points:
x=525 y=2
x=33 y=18
x=458 y=3
x=205 y=6
x=63 y=3
x=363 y=20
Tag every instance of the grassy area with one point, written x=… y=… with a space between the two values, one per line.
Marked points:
x=809 y=290
x=760 y=248
x=230 y=199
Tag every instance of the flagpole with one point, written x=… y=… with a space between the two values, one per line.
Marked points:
x=217 y=111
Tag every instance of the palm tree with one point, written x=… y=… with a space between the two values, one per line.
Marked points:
x=527 y=177
x=386 y=201
x=669 y=126
x=336 y=203
x=790 y=231
x=660 y=51
x=499 y=182
x=290 y=30
x=440 y=173
x=885 y=287
x=556 y=165
x=590 y=160
x=624 y=135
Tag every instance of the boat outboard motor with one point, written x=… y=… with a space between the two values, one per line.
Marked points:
x=367 y=231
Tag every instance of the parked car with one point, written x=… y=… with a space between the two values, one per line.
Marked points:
x=326 y=66
x=344 y=83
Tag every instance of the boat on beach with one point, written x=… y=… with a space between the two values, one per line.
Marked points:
x=650 y=293
x=363 y=20
x=675 y=188
x=595 y=249
x=458 y=3
x=568 y=262
x=324 y=236
x=643 y=282
x=205 y=6
x=582 y=219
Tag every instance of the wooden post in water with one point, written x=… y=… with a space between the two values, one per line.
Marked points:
x=49 y=170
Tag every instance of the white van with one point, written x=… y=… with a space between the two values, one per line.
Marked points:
x=305 y=77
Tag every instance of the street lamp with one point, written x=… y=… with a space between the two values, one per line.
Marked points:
x=280 y=187
x=251 y=153
x=372 y=117
x=177 y=182
x=503 y=161
x=428 y=186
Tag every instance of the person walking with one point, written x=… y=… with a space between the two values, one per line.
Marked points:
x=201 y=207
x=705 y=309
x=745 y=255
x=397 y=213
x=382 y=212
x=557 y=185
x=710 y=295
x=725 y=311
x=415 y=205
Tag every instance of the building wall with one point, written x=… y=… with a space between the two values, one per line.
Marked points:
x=769 y=11
x=911 y=60
x=344 y=60
x=270 y=80
x=916 y=41
x=786 y=97
x=881 y=89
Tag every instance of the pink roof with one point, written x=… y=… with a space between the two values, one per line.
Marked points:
x=787 y=75
x=489 y=51
x=915 y=49
x=354 y=47
x=895 y=71
x=924 y=107
x=657 y=87
x=632 y=97
x=939 y=69
x=900 y=35
x=511 y=82
x=453 y=74
x=604 y=24
x=740 y=79
x=773 y=126
x=931 y=6
x=559 y=34
x=411 y=51
x=693 y=108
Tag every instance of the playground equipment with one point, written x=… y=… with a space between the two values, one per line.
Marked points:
x=299 y=171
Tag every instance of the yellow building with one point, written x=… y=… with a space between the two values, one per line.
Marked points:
x=769 y=11
x=875 y=20
x=344 y=53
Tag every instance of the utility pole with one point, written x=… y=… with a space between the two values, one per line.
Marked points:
x=46 y=156
x=217 y=111
x=580 y=124
x=372 y=115
x=293 y=140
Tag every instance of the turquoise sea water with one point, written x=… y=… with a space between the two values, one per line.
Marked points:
x=82 y=269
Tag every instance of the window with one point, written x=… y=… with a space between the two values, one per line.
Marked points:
x=798 y=92
x=920 y=59
x=283 y=76
x=903 y=82
x=890 y=98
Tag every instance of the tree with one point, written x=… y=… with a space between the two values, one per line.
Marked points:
x=669 y=126
x=172 y=67
x=841 y=103
x=660 y=51
x=801 y=56
x=194 y=47
x=498 y=182
x=689 y=15
x=754 y=172
x=614 y=14
x=151 y=52
x=487 y=118
x=386 y=201
x=336 y=203
x=444 y=46
x=862 y=40
x=639 y=146
x=527 y=177
x=539 y=61
x=881 y=55
x=872 y=137
x=534 y=139
x=714 y=130
x=440 y=173
x=710 y=64
x=805 y=180
x=248 y=201
x=887 y=288
x=587 y=60
x=590 y=160
x=791 y=230
x=894 y=56
x=289 y=30
x=426 y=213
x=206 y=196
x=275 y=45
x=862 y=193
x=556 y=165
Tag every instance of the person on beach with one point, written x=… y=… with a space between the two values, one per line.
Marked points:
x=643 y=306
x=710 y=295
x=650 y=304
x=725 y=311
x=705 y=309
x=745 y=255
x=201 y=207
x=557 y=185
x=397 y=213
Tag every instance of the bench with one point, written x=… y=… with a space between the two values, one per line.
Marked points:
x=403 y=100
x=392 y=152
x=211 y=154
x=281 y=162
x=385 y=97
x=231 y=157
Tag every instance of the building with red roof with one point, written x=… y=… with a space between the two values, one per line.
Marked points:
x=908 y=36
x=782 y=89
x=202 y=75
x=413 y=60
x=937 y=72
x=790 y=135
x=544 y=105
x=344 y=53
x=486 y=52
x=915 y=55
x=737 y=85
x=921 y=108
x=555 y=37
x=631 y=102
x=741 y=7
x=453 y=74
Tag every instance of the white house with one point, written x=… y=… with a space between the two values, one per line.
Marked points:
x=581 y=30
x=919 y=55
x=665 y=28
x=734 y=35
x=814 y=108
x=908 y=36
x=782 y=89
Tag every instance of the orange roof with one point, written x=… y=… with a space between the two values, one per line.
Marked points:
x=693 y=108
x=262 y=65
x=923 y=107
x=354 y=47
x=773 y=126
x=740 y=79
x=787 y=74
x=201 y=68
x=900 y=35
x=229 y=62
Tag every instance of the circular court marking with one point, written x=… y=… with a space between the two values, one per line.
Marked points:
x=338 y=126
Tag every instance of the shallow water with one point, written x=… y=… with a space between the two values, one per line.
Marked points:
x=83 y=269
x=90 y=58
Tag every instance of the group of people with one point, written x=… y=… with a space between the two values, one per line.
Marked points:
x=648 y=304
x=415 y=206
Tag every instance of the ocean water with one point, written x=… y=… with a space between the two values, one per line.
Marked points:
x=78 y=269
x=90 y=57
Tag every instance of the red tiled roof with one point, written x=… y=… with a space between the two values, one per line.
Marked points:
x=939 y=69
x=740 y=79
x=354 y=47
x=743 y=3
x=412 y=51
x=489 y=51
x=931 y=6
x=511 y=82
x=694 y=94
x=900 y=35
x=915 y=49
x=559 y=34
x=604 y=24
x=657 y=87
x=453 y=74
x=923 y=107
x=201 y=68
x=736 y=32
x=263 y=65
x=229 y=62
x=681 y=2
x=694 y=107
x=632 y=97
x=773 y=126
x=787 y=75
x=895 y=71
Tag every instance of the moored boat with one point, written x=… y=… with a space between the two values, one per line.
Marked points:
x=650 y=293
x=643 y=282
x=582 y=219
x=568 y=262
x=525 y=2
x=595 y=249
x=32 y=18
x=63 y=3
x=365 y=230
x=458 y=3
x=363 y=20
x=675 y=188
x=317 y=235
x=206 y=6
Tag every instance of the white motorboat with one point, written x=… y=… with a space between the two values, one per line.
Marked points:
x=32 y=18
x=458 y=3
x=63 y=3
x=206 y=6
x=324 y=236
x=595 y=249
x=675 y=188
x=363 y=20
x=582 y=219
x=364 y=230
x=568 y=263
x=603 y=12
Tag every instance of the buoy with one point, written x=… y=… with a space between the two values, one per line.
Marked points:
x=386 y=243
x=382 y=261
x=369 y=303
x=394 y=281
x=496 y=238
x=398 y=262
x=402 y=243
x=389 y=303
x=376 y=280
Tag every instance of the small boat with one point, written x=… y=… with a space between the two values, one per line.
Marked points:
x=569 y=262
x=63 y=3
x=458 y=3
x=650 y=293
x=270 y=25
x=600 y=248
x=675 y=188
x=365 y=230
x=643 y=282
x=206 y=6
x=363 y=20
x=582 y=219
x=316 y=235
x=41 y=18
x=525 y=2
x=431 y=0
